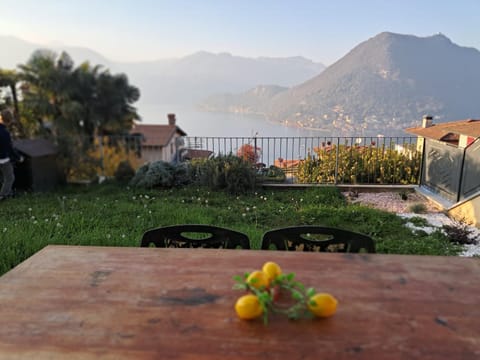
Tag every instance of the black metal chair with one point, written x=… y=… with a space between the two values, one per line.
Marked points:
x=195 y=236
x=317 y=238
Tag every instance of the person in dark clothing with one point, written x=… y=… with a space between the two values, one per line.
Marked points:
x=7 y=156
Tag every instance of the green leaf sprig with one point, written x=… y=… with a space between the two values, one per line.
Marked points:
x=296 y=308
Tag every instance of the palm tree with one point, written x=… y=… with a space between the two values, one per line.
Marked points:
x=10 y=79
x=84 y=100
x=42 y=87
x=113 y=106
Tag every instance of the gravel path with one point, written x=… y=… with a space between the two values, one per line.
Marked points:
x=392 y=202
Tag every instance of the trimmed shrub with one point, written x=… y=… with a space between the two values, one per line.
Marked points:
x=156 y=174
x=182 y=175
x=139 y=175
x=225 y=172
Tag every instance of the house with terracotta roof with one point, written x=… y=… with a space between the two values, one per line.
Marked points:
x=459 y=133
x=451 y=165
x=159 y=142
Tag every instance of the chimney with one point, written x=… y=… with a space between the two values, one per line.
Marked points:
x=171 y=119
x=427 y=121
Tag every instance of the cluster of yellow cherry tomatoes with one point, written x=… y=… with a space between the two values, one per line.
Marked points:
x=269 y=280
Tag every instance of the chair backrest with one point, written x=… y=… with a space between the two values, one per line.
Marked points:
x=204 y=236
x=317 y=238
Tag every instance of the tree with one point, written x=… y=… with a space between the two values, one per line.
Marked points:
x=101 y=102
x=76 y=104
x=85 y=100
x=9 y=80
x=249 y=153
x=113 y=103
x=43 y=88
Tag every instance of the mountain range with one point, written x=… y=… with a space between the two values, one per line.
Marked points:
x=382 y=86
x=185 y=80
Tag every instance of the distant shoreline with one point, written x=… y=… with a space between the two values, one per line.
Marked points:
x=264 y=117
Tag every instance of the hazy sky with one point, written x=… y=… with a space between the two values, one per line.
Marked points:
x=322 y=30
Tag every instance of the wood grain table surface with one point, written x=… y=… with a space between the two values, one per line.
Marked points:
x=69 y=302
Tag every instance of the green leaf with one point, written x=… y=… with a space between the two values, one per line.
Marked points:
x=263 y=296
x=296 y=295
x=299 y=285
x=310 y=292
x=290 y=276
x=238 y=278
x=265 y=317
x=240 y=287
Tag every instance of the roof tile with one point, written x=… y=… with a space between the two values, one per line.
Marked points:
x=156 y=135
x=469 y=127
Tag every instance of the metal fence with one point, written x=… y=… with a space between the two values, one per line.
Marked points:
x=367 y=160
x=271 y=149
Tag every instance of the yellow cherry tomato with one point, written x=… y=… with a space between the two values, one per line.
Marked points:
x=248 y=307
x=272 y=270
x=322 y=305
x=258 y=279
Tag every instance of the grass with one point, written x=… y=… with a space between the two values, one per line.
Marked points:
x=114 y=215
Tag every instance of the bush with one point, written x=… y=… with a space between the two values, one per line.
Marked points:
x=403 y=195
x=182 y=175
x=84 y=159
x=360 y=165
x=274 y=174
x=239 y=177
x=139 y=175
x=249 y=153
x=160 y=174
x=225 y=172
x=418 y=208
x=124 y=171
x=459 y=233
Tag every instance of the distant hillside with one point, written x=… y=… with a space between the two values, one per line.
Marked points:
x=252 y=101
x=16 y=51
x=185 y=80
x=197 y=76
x=384 y=85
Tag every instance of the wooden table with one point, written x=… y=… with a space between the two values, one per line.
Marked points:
x=69 y=302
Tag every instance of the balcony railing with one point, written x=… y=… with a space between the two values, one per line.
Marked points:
x=337 y=160
x=328 y=160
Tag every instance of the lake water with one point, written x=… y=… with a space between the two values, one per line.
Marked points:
x=289 y=143
x=198 y=123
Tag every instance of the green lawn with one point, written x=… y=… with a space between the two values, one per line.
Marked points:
x=113 y=215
